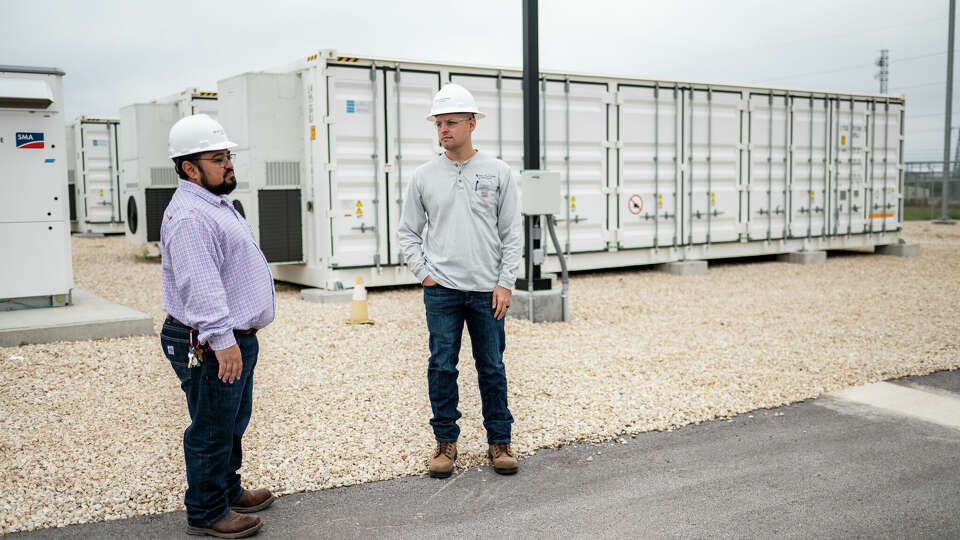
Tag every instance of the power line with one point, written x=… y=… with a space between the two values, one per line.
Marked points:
x=850 y=68
x=918 y=85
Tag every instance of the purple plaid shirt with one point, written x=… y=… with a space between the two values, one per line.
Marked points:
x=215 y=278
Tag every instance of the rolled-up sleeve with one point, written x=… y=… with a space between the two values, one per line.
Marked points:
x=510 y=229
x=410 y=232
x=196 y=260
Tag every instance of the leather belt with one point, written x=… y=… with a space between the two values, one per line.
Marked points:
x=247 y=332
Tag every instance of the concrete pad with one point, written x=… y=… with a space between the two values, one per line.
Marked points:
x=323 y=296
x=89 y=317
x=684 y=268
x=898 y=250
x=928 y=406
x=547 y=305
x=804 y=257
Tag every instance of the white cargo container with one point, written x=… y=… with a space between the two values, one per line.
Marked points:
x=34 y=219
x=652 y=171
x=94 y=159
x=147 y=177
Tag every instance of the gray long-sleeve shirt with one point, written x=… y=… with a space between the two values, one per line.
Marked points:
x=474 y=237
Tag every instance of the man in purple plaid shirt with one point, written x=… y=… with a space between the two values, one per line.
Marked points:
x=217 y=291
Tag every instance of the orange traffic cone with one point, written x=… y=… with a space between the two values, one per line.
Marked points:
x=358 y=308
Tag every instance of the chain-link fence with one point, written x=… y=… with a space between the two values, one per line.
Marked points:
x=923 y=190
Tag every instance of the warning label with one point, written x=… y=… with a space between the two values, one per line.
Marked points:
x=635 y=204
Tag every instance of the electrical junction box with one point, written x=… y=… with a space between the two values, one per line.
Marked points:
x=540 y=193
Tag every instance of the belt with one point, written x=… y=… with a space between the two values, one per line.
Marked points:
x=247 y=332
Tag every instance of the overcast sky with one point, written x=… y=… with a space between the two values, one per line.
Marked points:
x=121 y=52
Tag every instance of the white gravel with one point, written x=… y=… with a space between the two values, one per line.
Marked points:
x=92 y=431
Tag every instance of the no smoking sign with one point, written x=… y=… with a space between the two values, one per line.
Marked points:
x=635 y=204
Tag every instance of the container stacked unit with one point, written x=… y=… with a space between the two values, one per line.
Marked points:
x=652 y=171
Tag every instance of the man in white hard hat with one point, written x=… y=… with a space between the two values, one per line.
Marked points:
x=467 y=262
x=218 y=291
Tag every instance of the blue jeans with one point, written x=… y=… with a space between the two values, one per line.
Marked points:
x=219 y=414
x=447 y=310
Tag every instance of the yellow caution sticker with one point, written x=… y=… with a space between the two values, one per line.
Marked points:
x=313 y=133
x=101 y=193
x=843 y=140
x=888 y=214
x=359 y=204
x=812 y=195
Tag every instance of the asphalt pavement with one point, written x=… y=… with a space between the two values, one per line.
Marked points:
x=857 y=465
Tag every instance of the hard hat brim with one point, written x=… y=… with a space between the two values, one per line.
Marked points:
x=476 y=114
x=210 y=148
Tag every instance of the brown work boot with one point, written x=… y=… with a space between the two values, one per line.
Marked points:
x=252 y=501
x=504 y=462
x=444 y=458
x=233 y=525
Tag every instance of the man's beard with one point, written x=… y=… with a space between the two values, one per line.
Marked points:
x=223 y=188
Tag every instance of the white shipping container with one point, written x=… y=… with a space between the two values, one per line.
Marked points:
x=147 y=176
x=34 y=218
x=652 y=171
x=95 y=161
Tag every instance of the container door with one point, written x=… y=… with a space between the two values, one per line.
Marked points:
x=501 y=132
x=413 y=140
x=649 y=134
x=98 y=178
x=573 y=127
x=356 y=144
x=883 y=201
x=767 y=209
x=809 y=135
x=848 y=201
x=712 y=157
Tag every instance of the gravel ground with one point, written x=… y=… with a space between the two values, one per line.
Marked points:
x=92 y=431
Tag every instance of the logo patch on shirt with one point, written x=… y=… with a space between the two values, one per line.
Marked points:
x=170 y=350
x=486 y=176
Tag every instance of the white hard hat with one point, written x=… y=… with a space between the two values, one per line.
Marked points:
x=195 y=134
x=453 y=98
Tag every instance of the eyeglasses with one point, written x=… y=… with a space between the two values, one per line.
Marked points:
x=221 y=159
x=452 y=122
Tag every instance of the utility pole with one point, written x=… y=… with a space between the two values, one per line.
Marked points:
x=945 y=193
x=884 y=74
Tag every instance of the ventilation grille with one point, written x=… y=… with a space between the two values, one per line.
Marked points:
x=281 y=233
x=283 y=173
x=163 y=176
x=156 y=202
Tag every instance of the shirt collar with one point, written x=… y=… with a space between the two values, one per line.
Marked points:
x=443 y=156
x=202 y=192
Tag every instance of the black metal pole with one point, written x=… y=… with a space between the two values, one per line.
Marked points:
x=531 y=140
x=531 y=95
x=948 y=118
